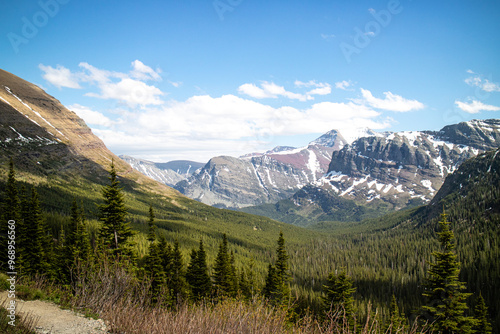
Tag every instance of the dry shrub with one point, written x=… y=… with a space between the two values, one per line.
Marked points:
x=107 y=288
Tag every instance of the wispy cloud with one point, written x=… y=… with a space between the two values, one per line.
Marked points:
x=344 y=84
x=128 y=88
x=474 y=107
x=206 y=126
x=477 y=80
x=272 y=90
x=60 y=76
x=90 y=116
x=391 y=102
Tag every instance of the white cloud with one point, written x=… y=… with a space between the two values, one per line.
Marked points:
x=128 y=88
x=130 y=91
x=60 y=76
x=475 y=107
x=254 y=91
x=144 y=72
x=320 y=91
x=203 y=126
x=272 y=90
x=90 y=116
x=391 y=102
x=343 y=84
x=483 y=84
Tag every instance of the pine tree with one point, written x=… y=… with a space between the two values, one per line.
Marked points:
x=338 y=295
x=483 y=326
x=272 y=284
x=115 y=230
x=155 y=271
x=11 y=210
x=244 y=284
x=223 y=281
x=151 y=225
x=197 y=274
x=166 y=256
x=39 y=253
x=277 y=287
x=444 y=292
x=177 y=280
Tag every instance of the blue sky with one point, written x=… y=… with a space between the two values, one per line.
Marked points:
x=165 y=80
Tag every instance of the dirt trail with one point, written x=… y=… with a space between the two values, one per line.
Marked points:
x=50 y=319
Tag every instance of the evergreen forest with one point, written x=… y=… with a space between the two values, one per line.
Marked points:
x=88 y=246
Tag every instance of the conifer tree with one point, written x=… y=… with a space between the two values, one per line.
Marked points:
x=39 y=251
x=154 y=270
x=77 y=243
x=151 y=225
x=244 y=285
x=11 y=210
x=197 y=274
x=272 y=284
x=277 y=282
x=115 y=230
x=166 y=256
x=444 y=291
x=338 y=295
x=223 y=281
x=177 y=279
x=482 y=326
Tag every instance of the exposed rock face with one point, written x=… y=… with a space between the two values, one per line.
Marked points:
x=261 y=178
x=400 y=167
x=385 y=172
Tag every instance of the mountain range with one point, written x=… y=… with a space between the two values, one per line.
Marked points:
x=333 y=179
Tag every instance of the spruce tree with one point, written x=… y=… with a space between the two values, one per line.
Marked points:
x=11 y=210
x=197 y=274
x=482 y=326
x=177 y=279
x=76 y=242
x=223 y=280
x=244 y=285
x=151 y=225
x=338 y=295
x=115 y=230
x=277 y=282
x=39 y=252
x=443 y=290
x=155 y=271
x=271 y=287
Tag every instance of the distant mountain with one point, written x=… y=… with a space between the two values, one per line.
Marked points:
x=261 y=177
x=387 y=172
x=168 y=173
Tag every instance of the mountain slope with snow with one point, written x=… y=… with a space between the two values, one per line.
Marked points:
x=386 y=172
x=261 y=177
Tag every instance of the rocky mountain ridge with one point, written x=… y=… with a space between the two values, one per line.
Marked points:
x=261 y=177
x=386 y=172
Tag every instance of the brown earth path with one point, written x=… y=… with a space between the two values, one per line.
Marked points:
x=50 y=319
